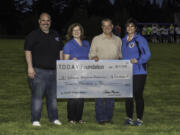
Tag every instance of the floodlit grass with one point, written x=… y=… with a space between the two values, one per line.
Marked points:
x=162 y=102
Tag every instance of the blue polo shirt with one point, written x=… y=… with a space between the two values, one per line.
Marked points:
x=75 y=50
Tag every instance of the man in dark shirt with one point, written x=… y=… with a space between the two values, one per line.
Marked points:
x=42 y=48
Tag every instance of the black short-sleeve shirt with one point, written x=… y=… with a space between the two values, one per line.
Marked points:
x=45 y=48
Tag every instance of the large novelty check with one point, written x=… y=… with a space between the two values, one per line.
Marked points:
x=90 y=79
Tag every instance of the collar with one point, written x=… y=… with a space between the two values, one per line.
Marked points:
x=104 y=37
x=50 y=31
x=74 y=41
x=135 y=36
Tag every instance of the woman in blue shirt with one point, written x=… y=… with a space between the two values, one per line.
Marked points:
x=75 y=49
x=135 y=48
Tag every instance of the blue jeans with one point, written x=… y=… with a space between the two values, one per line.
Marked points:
x=44 y=84
x=104 y=109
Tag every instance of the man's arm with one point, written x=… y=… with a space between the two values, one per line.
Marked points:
x=120 y=51
x=31 y=72
x=92 y=52
x=66 y=56
x=61 y=55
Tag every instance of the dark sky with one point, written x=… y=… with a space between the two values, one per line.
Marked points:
x=19 y=17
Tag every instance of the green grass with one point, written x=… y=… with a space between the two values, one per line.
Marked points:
x=162 y=102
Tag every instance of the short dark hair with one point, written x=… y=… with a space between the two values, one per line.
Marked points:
x=106 y=20
x=70 y=29
x=131 y=21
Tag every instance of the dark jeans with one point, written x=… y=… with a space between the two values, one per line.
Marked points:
x=104 y=109
x=75 y=109
x=138 y=87
x=44 y=83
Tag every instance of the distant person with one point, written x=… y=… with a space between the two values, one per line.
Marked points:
x=161 y=30
x=165 y=34
x=75 y=49
x=42 y=48
x=177 y=31
x=105 y=46
x=158 y=34
x=149 y=30
x=154 y=33
x=135 y=48
x=144 y=31
x=171 y=32
x=117 y=30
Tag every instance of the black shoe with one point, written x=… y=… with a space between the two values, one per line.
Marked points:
x=138 y=122
x=129 y=121
x=109 y=121
x=101 y=123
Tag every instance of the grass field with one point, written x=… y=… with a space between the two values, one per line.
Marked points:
x=162 y=102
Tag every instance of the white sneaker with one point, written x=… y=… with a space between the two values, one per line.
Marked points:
x=36 y=123
x=57 y=122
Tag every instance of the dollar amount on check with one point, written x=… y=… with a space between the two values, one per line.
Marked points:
x=90 y=79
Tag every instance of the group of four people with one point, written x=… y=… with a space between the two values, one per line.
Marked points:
x=43 y=47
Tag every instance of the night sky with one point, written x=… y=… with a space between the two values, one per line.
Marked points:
x=19 y=17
